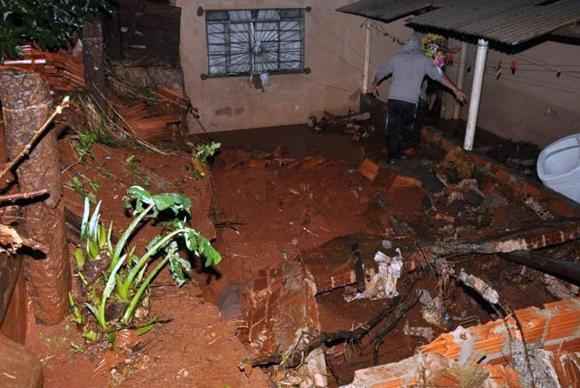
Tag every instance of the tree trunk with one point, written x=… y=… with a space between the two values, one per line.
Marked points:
x=25 y=104
x=94 y=55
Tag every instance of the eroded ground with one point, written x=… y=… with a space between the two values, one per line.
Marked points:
x=290 y=196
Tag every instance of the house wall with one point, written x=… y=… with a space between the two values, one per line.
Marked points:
x=334 y=44
x=533 y=104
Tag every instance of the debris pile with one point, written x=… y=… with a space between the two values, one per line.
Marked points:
x=149 y=122
x=358 y=125
x=149 y=115
x=62 y=71
x=542 y=350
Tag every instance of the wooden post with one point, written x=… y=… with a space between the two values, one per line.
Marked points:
x=26 y=105
x=460 y=78
x=94 y=54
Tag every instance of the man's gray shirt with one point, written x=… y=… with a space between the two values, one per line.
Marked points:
x=408 y=67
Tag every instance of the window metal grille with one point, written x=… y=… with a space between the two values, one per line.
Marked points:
x=244 y=42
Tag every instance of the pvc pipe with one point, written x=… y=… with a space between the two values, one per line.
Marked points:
x=25 y=62
x=367 y=58
x=460 y=78
x=475 y=94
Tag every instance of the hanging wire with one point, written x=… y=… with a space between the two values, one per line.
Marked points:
x=536 y=83
x=544 y=65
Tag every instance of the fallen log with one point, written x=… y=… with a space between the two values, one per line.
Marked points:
x=566 y=270
x=391 y=323
x=527 y=239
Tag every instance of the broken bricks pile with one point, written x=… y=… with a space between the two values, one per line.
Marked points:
x=541 y=348
x=149 y=122
x=64 y=72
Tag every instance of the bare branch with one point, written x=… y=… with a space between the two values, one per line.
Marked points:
x=11 y=198
x=37 y=135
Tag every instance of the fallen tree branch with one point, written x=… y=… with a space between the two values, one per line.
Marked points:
x=544 y=235
x=11 y=198
x=567 y=270
x=399 y=312
x=37 y=135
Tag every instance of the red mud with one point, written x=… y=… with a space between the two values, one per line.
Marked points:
x=271 y=204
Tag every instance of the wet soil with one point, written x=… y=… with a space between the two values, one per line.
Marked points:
x=278 y=194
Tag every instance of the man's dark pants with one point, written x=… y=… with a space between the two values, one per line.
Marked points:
x=401 y=132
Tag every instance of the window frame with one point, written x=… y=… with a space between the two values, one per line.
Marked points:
x=301 y=19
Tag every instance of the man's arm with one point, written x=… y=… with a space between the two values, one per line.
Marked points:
x=459 y=94
x=437 y=74
x=382 y=71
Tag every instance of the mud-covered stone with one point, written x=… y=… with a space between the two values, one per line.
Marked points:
x=278 y=305
x=18 y=368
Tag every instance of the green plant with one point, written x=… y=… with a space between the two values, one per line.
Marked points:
x=93 y=129
x=50 y=24
x=134 y=167
x=84 y=144
x=206 y=150
x=84 y=186
x=201 y=154
x=125 y=277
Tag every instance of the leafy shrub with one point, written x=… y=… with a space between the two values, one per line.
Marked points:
x=114 y=279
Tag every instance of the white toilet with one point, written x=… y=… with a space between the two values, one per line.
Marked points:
x=558 y=166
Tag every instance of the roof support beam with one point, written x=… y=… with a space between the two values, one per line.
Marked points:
x=474 y=101
x=367 y=57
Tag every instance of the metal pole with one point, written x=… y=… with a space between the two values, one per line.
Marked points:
x=460 y=78
x=367 y=57
x=475 y=94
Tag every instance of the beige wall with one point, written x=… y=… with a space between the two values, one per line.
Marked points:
x=533 y=106
x=334 y=44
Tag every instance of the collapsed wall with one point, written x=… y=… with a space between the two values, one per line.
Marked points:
x=544 y=347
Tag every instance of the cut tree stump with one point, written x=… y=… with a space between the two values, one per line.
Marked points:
x=25 y=104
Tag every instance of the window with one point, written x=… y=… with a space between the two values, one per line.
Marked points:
x=246 y=42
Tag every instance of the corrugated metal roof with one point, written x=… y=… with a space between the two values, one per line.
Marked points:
x=386 y=11
x=520 y=25
x=462 y=13
x=506 y=21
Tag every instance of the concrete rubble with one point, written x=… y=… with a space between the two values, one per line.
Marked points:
x=552 y=346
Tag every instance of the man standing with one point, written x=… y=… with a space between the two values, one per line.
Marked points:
x=408 y=68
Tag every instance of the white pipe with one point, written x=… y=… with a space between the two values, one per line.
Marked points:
x=367 y=58
x=25 y=62
x=475 y=94
x=460 y=78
